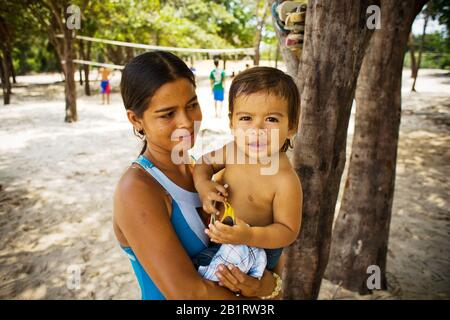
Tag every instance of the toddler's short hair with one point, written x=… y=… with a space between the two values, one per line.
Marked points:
x=271 y=80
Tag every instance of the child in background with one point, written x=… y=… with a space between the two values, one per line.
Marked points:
x=104 y=84
x=217 y=77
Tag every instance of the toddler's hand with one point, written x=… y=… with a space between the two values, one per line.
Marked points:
x=240 y=233
x=210 y=192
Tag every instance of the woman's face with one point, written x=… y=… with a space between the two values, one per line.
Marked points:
x=169 y=120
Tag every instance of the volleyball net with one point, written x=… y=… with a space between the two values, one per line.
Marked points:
x=146 y=47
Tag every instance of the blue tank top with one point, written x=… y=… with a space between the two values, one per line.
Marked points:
x=185 y=220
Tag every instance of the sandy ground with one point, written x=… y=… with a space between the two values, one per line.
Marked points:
x=57 y=181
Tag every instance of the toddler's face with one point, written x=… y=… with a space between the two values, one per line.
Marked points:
x=260 y=124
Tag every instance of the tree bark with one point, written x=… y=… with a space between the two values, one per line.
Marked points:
x=259 y=29
x=412 y=53
x=10 y=61
x=116 y=55
x=336 y=37
x=53 y=24
x=5 y=47
x=70 y=86
x=86 y=55
x=58 y=45
x=80 y=75
x=5 y=81
x=66 y=52
x=361 y=231
x=277 y=54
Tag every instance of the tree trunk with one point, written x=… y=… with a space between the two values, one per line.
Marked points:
x=422 y=43
x=63 y=48
x=277 y=54
x=361 y=231
x=53 y=27
x=11 y=66
x=5 y=47
x=156 y=37
x=86 y=55
x=412 y=55
x=129 y=54
x=259 y=29
x=80 y=75
x=87 y=87
x=116 y=55
x=70 y=87
x=336 y=37
x=9 y=60
x=58 y=45
x=5 y=80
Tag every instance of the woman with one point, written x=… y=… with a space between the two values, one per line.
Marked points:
x=156 y=209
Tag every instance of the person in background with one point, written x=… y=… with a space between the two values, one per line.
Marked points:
x=217 y=78
x=105 y=84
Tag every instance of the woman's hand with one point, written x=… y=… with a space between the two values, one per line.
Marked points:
x=238 y=282
x=240 y=233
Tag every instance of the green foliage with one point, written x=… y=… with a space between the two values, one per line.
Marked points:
x=31 y=50
x=436 y=46
x=431 y=61
x=176 y=23
x=34 y=55
x=436 y=52
x=440 y=10
x=270 y=41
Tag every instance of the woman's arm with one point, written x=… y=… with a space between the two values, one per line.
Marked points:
x=142 y=216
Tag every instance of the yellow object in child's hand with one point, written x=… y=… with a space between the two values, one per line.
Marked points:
x=228 y=217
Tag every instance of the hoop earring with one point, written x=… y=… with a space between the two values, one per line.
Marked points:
x=290 y=145
x=287 y=145
x=139 y=134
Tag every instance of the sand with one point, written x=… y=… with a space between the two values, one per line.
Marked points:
x=57 y=181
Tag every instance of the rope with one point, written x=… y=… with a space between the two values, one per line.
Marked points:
x=247 y=51
x=98 y=64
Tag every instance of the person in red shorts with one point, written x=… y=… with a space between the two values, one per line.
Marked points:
x=105 y=84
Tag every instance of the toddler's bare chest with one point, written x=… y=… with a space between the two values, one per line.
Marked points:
x=251 y=196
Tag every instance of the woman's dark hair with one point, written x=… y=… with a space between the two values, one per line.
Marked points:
x=270 y=80
x=145 y=74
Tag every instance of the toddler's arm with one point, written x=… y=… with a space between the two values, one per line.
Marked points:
x=287 y=216
x=208 y=190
